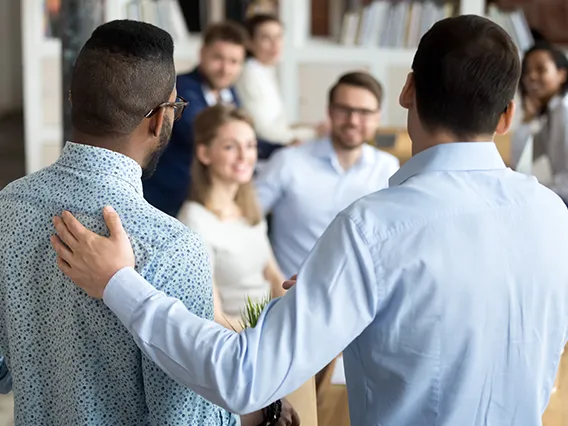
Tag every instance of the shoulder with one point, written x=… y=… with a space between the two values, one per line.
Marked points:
x=196 y=217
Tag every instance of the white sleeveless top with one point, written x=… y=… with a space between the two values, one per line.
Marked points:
x=239 y=254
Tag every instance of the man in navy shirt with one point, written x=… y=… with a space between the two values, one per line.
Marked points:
x=221 y=60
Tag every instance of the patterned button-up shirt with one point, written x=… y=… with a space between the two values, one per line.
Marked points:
x=72 y=362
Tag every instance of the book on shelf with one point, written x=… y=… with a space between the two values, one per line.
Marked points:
x=392 y=23
x=166 y=14
x=515 y=23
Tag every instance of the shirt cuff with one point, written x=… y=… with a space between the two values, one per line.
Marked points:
x=124 y=293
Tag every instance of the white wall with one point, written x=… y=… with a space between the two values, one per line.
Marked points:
x=10 y=56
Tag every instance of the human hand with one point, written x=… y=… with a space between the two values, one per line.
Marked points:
x=288 y=416
x=288 y=284
x=87 y=258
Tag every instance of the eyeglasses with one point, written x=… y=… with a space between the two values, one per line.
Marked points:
x=178 y=106
x=345 y=111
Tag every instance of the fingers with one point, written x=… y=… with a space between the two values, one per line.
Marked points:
x=64 y=266
x=288 y=284
x=61 y=249
x=295 y=419
x=63 y=231
x=113 y=223
x=74 y=226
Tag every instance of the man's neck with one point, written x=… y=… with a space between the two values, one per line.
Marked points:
x=347 y=158
x=121 y=146
x=424 y=141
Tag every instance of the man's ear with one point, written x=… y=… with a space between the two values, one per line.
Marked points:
x=156 y=122
x=506 y=119
x=406 y=98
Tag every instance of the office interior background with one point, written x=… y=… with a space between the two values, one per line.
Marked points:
x=323 y=39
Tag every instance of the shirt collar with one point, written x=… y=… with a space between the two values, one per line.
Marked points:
x=225 y=94
x=102 y=161
x=324 y=149
x=459 y=156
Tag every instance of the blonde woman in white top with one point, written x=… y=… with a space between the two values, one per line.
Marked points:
x=223 y=210
x=258 y=87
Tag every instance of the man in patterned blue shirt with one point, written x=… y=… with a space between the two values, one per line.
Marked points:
x=71 y=361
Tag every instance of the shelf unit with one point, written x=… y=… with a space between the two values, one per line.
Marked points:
x=309 y=66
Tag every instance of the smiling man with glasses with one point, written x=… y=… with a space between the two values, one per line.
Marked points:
x=70 y=360
x=305 y=187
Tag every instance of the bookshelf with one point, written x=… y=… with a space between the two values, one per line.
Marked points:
x=310 y=63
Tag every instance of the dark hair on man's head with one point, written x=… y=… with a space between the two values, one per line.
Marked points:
x=255 y=21
x=556 y=55
x=123 y=71
x=360 y=79
x=466 y=71
x=227 y=31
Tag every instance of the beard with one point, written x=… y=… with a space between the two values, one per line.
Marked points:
x=154 y=157
x=343 y=143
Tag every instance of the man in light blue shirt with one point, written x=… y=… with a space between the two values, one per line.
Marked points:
x=305 y=187
x=446 y=292
x=71 y=361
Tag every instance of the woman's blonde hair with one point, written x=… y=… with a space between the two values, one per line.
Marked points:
x=205 y=128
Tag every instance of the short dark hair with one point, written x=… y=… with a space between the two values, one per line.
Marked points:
x=227 y=31
x=256 y=21
x=557 y=56
x=360 y=79
x=123 y=71
x=466 y=71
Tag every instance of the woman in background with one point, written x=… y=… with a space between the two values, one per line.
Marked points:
x=258 y=86
x=543 y=90
x=223 y=211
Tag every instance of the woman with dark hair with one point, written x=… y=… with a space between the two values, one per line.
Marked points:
x=258 y=87
x=543 y=90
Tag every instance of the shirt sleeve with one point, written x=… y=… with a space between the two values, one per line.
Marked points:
x=271 y=181
x=5 y=378
x=181 y=271
x=336 y=294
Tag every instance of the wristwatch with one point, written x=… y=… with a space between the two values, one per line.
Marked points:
x=272 y=414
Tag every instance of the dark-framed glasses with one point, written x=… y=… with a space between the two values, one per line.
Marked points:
x=346 y=111
x=178 y=105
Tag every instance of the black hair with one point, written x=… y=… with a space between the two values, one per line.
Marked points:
x=123 y=71
x=466 y=71
x=255 y=21
x=557 y=56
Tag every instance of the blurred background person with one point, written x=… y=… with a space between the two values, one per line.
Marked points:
x=224 y=211
x=305 y=187
x=543 y=90
x=259 y=89
x=211 y=82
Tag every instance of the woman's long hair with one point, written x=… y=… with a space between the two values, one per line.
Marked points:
x=206 y=125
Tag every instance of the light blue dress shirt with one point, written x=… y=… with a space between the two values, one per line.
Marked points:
x=305 y=187
x=447 y=293
x=71 y=361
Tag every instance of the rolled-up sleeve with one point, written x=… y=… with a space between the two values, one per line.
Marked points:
x=336 y=294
